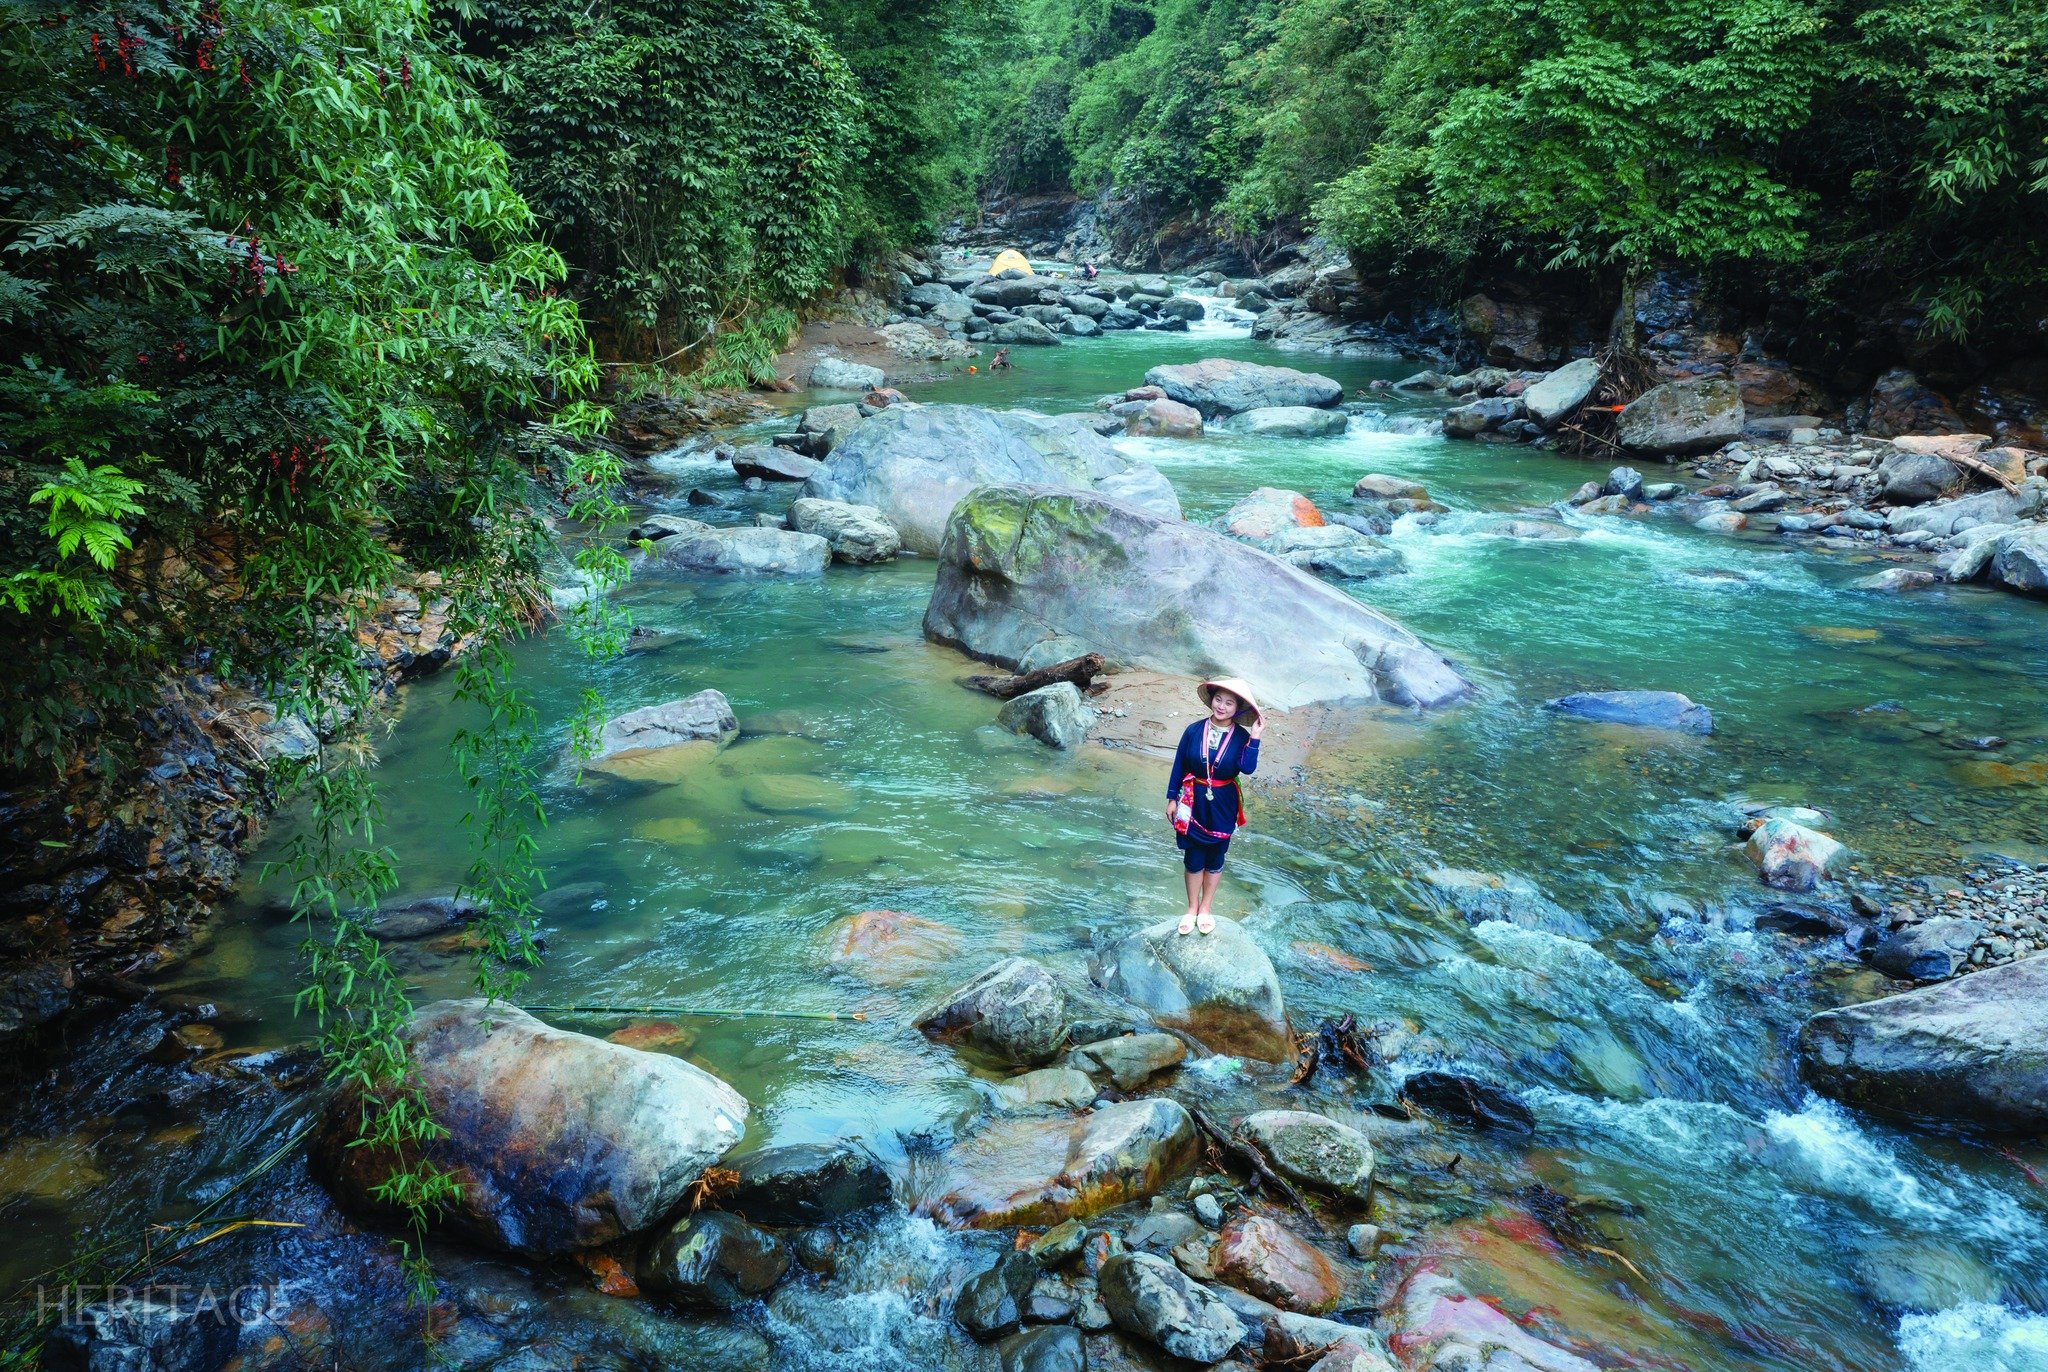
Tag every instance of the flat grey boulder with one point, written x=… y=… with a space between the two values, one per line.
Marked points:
x=1315 y=1151
x=915 y=463
x=1023 y=564
x=1025 y=331
x=771 y=463
x=837 y=374
x=743 y=551
x=858 y=533
x=1220 y=987
x=1055 y=715
x=1334 y=550
x=654 y=528
x=1219 y=386
x=1014 y=1013
x=1682 y=417
x=825 y=425
x=1481 y=416
x=1151 y=1298
x=1973 y=1051
x=1129 y=1060
x=1373 y=486
x=559 y=1141
x=1287 y=421
x=706 y=717
x=1646 y=709
x=1561 y=392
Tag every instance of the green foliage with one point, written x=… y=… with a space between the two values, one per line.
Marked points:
x=274 y=330
x=1841 y=150
x=700 y=161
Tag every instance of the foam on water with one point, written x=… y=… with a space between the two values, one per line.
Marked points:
x=1222 y=320
x=1975 y=1337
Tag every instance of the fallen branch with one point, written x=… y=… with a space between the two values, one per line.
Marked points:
x=1234 y=1146
x=1985 y=470
x=1079 y=670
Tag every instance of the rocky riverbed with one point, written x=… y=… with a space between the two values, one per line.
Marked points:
x=1491 y=1062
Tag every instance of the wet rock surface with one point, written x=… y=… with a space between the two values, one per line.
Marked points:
x=1015 y=1012
x=1024 y=1171
x=561 y=1141
x=1315 y=1151
x=713 y=1261
x=806 y=1183
x=1221 y=988
x=1149 y=1297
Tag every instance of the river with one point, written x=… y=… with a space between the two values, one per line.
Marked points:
x=1645 y=1019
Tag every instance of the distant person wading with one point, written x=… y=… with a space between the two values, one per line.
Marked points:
x=1202 y=799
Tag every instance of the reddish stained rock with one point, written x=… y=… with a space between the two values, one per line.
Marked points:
x=1259 y=1256
x=1268 y=511
x=1040 y=1171
x=1438 y=1319
x=891 y=947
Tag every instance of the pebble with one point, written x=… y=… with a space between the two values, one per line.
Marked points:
x=1364 y=1240
x=1209 y=1210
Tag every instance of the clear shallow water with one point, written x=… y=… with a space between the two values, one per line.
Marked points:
x=1648 y=1023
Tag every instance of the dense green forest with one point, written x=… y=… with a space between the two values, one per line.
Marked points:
x=1839 y=149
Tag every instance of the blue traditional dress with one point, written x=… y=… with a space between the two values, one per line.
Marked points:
x=1217 y=807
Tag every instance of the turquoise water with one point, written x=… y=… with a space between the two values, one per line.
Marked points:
x=1649 y=1025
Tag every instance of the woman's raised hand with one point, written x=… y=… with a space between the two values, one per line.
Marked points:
x=1257 y=726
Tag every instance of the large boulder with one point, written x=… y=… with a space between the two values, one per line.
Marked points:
x=1481 y=416
x=1029 y=332
x=1561 y=392
x=2020 y=561
x=1973 y=1050
x=1013 y=1013
x=1034 y=1171
x=1315 y=1151
x=1259 y=1255
x=837 y=374
x=1914 y=478
x=914 y=463
x=743 y=551
x=825 y=425
x=558 y=1141
x=1150 y=1297
x=1932 y=950
x=1055 y=715
x=1024 y=564
x=1220 y=987
x=1013 y=292
x=1218 y=386
x=1287 y=421
x=857 y=533
x=1645 y=709
x=1129 y=1060
x=1682 y=417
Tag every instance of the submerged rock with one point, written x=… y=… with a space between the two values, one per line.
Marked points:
x=146 y=1334
x=1220 y=987
x=914 y=463
x=1471 y=1100
x=1053 y=1348
x=1021 y=565
x=1153 y=1299
x=1024 y=1171
x=1257 y=1255
x=561 y=1141
x=1315 y=1151
x=1287 y=421
x=1973 y=1050
x=1055 y=715
x=1015 y=1012
x=1217 y=386
x=713 y=1261
x=1438 y=1324
x=1646 y=709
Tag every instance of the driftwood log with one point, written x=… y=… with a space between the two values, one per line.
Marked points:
x=1248 y=1153
x=1983 y=469
x=1079 y=670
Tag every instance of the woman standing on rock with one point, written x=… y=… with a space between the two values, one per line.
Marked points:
x=1202 y=800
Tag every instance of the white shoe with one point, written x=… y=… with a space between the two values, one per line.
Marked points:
x=1187 y=923
x=1206 y=922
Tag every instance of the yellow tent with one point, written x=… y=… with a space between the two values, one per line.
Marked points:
x=1008 y=258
